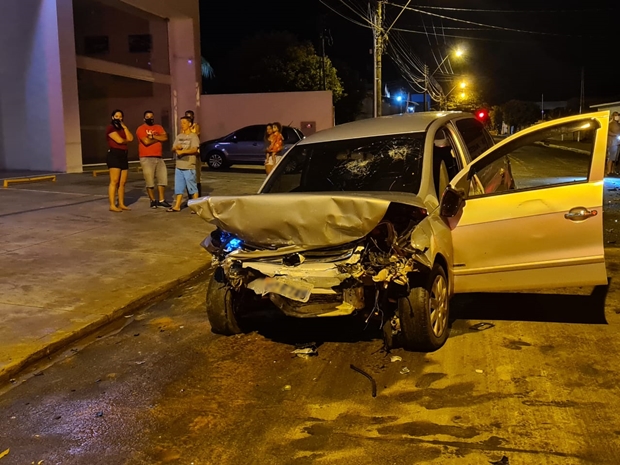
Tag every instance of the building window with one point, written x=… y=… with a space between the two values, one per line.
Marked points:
x=140 y=43
x=96 y=45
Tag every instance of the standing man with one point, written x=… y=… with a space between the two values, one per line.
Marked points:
x=150 y=149
x=186 y=148
x=612 y=142
x=195 y=128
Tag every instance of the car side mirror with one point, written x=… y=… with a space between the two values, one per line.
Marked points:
x=451 y=202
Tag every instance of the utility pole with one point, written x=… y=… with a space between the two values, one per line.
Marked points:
x=426 y=83
x=378 y=51
x=582 y=97
x=323 y=77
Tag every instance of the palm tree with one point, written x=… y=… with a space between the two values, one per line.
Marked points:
x=206 y=69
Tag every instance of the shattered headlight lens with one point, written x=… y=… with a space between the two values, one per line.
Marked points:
x=234 y=243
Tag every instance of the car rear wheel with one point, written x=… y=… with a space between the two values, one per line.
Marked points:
x=424 y=315
x=223 y=304
x=216 y=160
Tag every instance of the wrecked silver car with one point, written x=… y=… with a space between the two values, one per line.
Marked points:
x=370 y=218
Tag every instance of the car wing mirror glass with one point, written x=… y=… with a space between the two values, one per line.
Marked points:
x=451 y=202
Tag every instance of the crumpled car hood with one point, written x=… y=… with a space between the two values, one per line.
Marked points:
x=304 y=220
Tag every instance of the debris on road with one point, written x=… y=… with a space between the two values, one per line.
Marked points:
x=502 y=461
x=5 y=453
x=99 y=414
x=372 y=381
x=395 y=358
x=481 y=326
x=404 y=371
x=306 y=350
x=287 y=387
x=479 y=371
x=141 y=362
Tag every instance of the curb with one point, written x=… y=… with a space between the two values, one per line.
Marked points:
x=154 y=296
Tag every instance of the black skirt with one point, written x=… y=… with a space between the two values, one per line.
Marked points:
x=117 y=158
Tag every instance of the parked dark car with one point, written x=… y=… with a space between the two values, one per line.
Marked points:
x=245 y=145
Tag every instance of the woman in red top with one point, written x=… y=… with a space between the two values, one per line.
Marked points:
x=118 y=136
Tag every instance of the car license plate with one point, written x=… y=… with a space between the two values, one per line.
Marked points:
x=293 y=289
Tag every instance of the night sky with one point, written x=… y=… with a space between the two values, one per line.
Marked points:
x=502 y=64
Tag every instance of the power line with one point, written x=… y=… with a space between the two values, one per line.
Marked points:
x=482 y=10
x=344 y=16
x=398 y=16
x=490 y=26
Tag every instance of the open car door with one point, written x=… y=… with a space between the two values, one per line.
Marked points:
x=531 y=215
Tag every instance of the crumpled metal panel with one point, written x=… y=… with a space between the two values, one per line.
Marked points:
x=303 y=220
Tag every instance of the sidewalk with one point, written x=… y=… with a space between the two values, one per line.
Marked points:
x=69 y=266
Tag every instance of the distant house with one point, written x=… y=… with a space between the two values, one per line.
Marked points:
x=611 y=107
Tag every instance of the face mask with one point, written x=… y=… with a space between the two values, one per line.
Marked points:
x=150 y=121
x=117 y=123
x=616 y=118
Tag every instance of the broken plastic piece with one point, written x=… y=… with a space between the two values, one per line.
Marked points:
x=287 y=387
x=479 y=371
x=5 y=453
x=404 y=371
x=396 y=358
x=481 y=326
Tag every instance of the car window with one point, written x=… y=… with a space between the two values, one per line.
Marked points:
x=446 y=163
x=250 y=134
x=475 y=136
x=290 y=136
x=383 y=163
x=553 y=156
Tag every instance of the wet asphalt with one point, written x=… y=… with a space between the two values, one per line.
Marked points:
x=536 y=384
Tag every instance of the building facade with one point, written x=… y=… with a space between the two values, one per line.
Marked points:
x=70 y=63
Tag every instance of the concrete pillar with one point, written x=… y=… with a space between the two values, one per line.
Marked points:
x=184 y=68
x=39 y=110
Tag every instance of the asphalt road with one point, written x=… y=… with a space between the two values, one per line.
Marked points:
x=537 y=385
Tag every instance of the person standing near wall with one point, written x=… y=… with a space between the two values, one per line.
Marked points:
x=195 y=128
x=186 y=149
x=612 y=143
x=117 y=136
x=150 y=138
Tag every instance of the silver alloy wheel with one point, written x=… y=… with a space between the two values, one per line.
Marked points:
x=438 y=305
x=215 y=160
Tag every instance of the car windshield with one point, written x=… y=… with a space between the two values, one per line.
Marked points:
x=383 y=163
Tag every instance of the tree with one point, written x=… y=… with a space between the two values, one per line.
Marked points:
x=519 y=113
x=349 y=106
x=471 y=101
x=496 y=115
x=278 y=62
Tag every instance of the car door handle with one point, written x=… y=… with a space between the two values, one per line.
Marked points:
x=580 y=214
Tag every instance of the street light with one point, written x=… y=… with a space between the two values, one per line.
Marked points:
x=427 y=77
x=462 y=85
x=458 y=53
x=463 y=95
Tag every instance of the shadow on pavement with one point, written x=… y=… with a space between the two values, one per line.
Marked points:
x=551 y=308
x=286 y=330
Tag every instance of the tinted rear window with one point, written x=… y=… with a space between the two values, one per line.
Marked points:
x=475 y=137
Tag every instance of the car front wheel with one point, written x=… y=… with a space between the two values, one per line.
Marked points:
x=223 y=303
x=216 y=160
x=424 y=315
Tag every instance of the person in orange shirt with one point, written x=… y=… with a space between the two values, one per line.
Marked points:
x=276 y=143
x=150 y=137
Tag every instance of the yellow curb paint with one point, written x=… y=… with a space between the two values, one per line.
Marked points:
x=31 y=179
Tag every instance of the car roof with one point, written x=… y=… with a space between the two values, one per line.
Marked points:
x=384 y=126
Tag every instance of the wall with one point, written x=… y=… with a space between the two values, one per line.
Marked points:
x=37 y=82
x=223 y=113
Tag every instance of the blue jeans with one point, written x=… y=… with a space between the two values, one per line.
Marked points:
x=185 y=179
